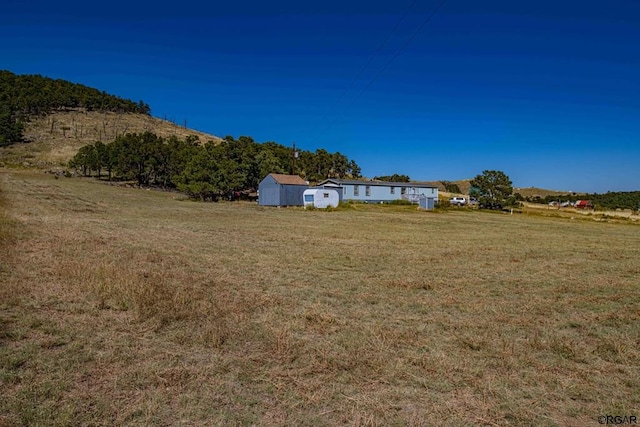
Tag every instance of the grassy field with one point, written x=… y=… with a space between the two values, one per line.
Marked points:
x=131 y=307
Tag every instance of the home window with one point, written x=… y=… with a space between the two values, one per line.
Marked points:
x=403 y=190
x=326 y=195
x=367 y=191
x=393 y=190
x=356 y=190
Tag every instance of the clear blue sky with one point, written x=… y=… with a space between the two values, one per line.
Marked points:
x=547 y=91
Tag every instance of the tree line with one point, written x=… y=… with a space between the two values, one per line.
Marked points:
x=392 y=178
x=609 y=200
x=207 y=171
x=23 y=96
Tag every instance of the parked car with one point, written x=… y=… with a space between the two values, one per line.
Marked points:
x=458 y=201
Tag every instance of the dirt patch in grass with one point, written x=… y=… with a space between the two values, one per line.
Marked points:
x=123 y=306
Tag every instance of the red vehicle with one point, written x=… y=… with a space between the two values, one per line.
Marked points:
x=584 y=204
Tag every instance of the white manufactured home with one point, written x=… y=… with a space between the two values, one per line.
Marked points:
x=381 y=192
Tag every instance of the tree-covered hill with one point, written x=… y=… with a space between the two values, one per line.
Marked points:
x=25 y=96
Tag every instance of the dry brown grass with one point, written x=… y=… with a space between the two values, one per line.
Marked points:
x=133 y=307
x=56 y=138
x=539 y=192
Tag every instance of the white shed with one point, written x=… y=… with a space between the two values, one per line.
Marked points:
x=321 y=198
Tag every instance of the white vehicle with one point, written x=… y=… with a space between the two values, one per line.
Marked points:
x=458 y=201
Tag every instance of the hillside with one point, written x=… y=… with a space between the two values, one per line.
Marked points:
x=52 y=140
x=45 y=121
x=532 y=192
x=23 y=97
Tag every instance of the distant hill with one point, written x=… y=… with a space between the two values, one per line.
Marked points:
x=23 y=97
x=44 y=121
x=532 y=192
x=465 y=184
x=53 y=139
x=462 y=184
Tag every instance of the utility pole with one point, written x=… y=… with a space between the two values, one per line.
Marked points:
x=294 y=156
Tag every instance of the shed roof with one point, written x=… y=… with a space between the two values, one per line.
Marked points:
x=288 y=179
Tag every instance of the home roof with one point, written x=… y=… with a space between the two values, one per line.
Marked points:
x=288 y=179
x=380 y=183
